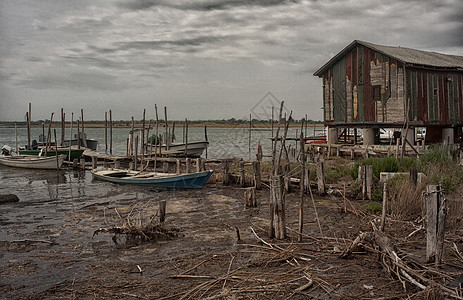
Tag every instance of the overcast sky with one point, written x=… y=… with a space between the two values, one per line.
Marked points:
x=203 y=59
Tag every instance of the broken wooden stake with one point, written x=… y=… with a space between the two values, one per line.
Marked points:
x=162 y=211
x=250 y=197
x=277 y=199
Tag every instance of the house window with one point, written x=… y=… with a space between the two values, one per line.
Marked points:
x=377 y=93
x=434 y=92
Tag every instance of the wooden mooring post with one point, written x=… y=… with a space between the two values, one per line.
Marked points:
x=436 y=212
x=365 y=177
x=162 y=211
x=242 y=174
x=320 y=177
x=257 y=176
x=226 y=173
x=250 y=197
x=277 y=208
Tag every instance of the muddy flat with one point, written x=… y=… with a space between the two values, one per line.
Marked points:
x=48 y=248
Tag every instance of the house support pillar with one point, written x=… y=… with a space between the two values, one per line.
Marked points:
x=368 y=136
x=448 y=136
x=332 y=135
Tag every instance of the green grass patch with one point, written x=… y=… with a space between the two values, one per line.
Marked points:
x=374 y=206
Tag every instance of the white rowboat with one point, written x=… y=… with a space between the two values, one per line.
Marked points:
x=32 y=161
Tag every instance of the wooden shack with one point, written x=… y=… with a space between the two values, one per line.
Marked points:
x=371 y=86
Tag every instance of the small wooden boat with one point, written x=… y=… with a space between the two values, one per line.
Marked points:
x=153 y=179
x=75 y=153
x=32 y=161
x=194 y=149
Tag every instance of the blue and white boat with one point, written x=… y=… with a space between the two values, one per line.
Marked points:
x=153 y=179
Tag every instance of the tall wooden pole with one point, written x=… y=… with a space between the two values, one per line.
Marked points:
x=142 y=150
x=156 y=138
x=132 y=132
x=49 y=134
x=16 y=136
x=205 y=137
x=110 y=132
x=106 y=131
x=167 y=132
x=186 y=137
x=70 y=137
x=78 y=134
x=249 y=140
x=63 y=126
x=82 y=119
x=56 y=150
x=29 y=127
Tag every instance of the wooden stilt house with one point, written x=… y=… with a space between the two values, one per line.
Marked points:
x=372 y=86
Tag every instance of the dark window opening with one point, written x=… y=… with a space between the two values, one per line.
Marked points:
x=435 y=92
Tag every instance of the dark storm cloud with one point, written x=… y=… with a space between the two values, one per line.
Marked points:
x=200 y=5
x=73 y=80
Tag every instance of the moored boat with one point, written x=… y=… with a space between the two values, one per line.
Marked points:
x=75 y=153
x=153 y=179
x=32 y=161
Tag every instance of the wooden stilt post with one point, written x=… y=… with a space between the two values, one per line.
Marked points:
x=166 y=138
x=94 y=162
x=368 y=180
x=257 y=176
x=142 y=148
x=436 y=211
x=226 y=173
x=186 y=137
x=250 y=197
x=56 y=150
x=105 y=132
x=49 y=134
x=320 y=177
x=135 y=158
x=162 y=211
x=110 y=132
x=277 y=198
x=242 y=174
x=301 y=187
x=188 y=165
x=198 y=165
x=63 y=126
x=78 y=134
x=28 y=116
x=205 y=137
x=178 y=166
x=287 y=178
x=414 y=176
x=383 y=215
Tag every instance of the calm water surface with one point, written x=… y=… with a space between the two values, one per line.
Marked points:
x=223 y=142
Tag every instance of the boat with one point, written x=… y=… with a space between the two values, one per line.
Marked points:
x=32 y=161
x=84 y=142
x=91 y=143
x=75 y=153
x=194 y=149
x=153 y=179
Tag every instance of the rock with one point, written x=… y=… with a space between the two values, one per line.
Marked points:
x=8 y=198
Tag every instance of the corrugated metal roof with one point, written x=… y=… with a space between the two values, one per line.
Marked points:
x=405 y=55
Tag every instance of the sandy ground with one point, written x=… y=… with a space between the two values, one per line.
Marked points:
x=48 y=249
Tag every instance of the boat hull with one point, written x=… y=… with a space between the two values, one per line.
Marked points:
x=91 y=144
x=75 y=153
x=165 y=180
x=32 y=162
x=194 y=149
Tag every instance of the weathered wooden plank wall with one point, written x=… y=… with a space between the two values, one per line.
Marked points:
x=367 y=86
x=369 y=103
x=339 y=85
